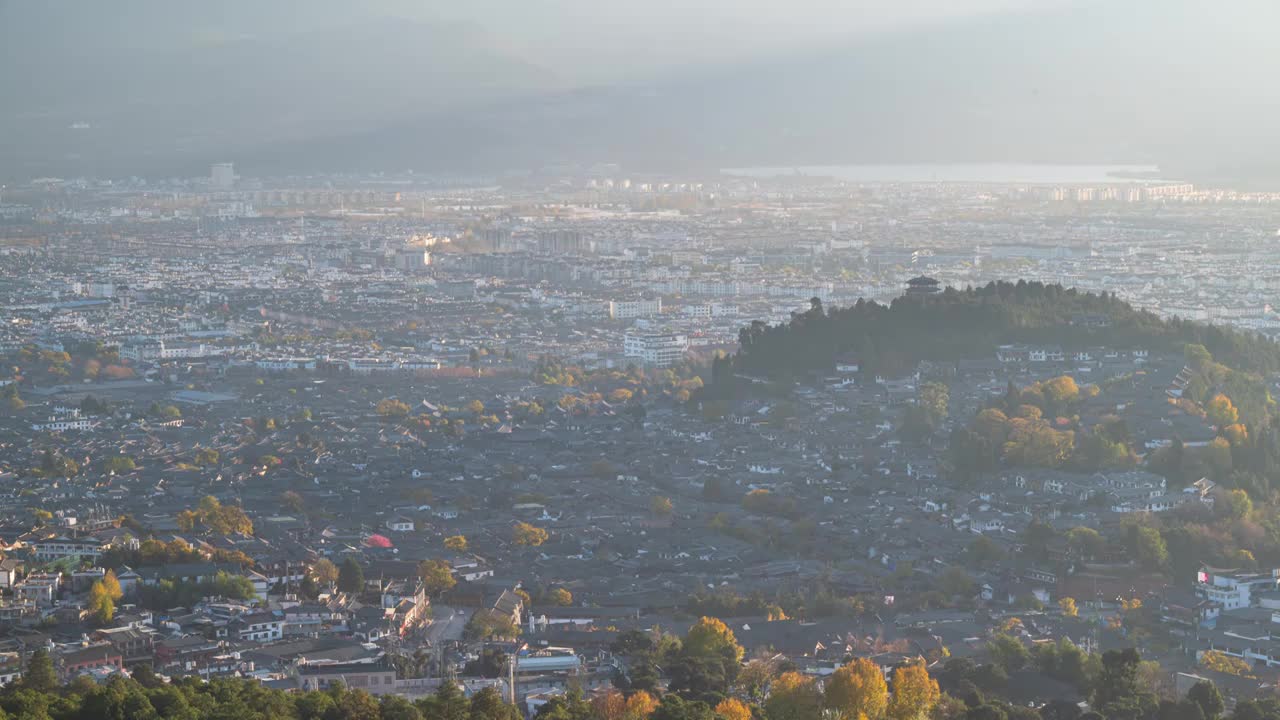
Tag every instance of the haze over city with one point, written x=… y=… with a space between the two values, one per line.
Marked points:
x=569 y=360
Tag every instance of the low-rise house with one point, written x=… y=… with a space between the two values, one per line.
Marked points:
x=77 y=662
x=10 y=668
x=400 y=523
x=376 y=678
x=40 y=589
x=313 y=619
x=135 y=645
x=60 y=547
x=185 y=654
x=260 y=627
x=10 y=569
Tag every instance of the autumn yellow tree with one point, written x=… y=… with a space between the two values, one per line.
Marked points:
x=711 y=637
x=456 y=543
x=993 y=425
x=794 y=697
x=1221 y=662
x=525 y=534
x=1221 y=411
x=561 y=597
x=1236 y=434
x=914 y=693
x=639 y=706
x=858 y=690
x=100 y=603
x=1062 y=389
x=608 y=706
x=187 y=520
x=324 y=572
x=1068 y=607
x=732 y=709
x=392 y=408
x=217 y=518
x=660 y=505
x=112 y=585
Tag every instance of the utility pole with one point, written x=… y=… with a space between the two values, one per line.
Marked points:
x=511 y=676
x=511 y=670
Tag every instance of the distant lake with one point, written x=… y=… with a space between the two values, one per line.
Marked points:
x=996 y=173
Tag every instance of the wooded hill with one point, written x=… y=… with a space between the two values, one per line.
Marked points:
x=970 y=324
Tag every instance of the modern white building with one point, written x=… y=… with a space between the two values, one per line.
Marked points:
x=630 y=309
x=655 y=349
x=1234 y=589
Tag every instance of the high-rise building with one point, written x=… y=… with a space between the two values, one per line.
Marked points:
x=222 y=176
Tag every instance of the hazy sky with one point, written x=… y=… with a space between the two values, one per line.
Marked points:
x=578 y=39
x=173 y=83
x=590 y=36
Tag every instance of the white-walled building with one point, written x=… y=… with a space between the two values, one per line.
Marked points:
x=630 y=309
x=655 y=349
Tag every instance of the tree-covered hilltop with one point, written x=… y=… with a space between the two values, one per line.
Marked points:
x=708 y=677
x=148 y=696
x=972 y=323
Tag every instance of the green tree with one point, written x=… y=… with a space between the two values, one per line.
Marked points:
x=395 y=707
x=1236 y=504
x=1197 y=356
x=351 y=576
x=487 y=704
x=437 y=576
x=1116 y=692
x=448 y=703
x=1008 y=652
x=1205 y=694
x=1086 y=543
x=674 y=707
x=117 y=464
x=1149 y=548
x=984 y=552
x=40 y=675
x=207 y=457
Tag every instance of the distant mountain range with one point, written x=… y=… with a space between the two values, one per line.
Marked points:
x=1092 y=83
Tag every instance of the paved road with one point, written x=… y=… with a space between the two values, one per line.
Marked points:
x=446 y=624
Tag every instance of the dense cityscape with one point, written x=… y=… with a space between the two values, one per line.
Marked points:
x=436 y=438
x=618 y=360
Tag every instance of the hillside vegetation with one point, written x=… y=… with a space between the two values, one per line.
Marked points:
x=972 y=323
